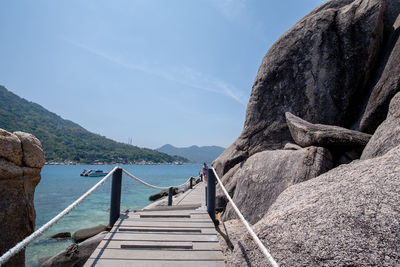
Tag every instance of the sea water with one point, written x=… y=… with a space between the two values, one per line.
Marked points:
x=62 y=184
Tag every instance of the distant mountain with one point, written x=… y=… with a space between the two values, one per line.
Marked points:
x=64 y=140
x=193 y=153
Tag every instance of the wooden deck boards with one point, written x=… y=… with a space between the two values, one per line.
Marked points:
x=178 y=235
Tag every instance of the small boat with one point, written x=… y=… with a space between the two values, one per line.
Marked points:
x=93 y=173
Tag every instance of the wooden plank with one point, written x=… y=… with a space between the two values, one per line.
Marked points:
x=151 y=263
x=187 y=224
x=161 y=237
x=165 y=255
x=180 y=207
x=195 y=245
x=138 y=229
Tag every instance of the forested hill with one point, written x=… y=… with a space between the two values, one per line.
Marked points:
x=194 y=153
x=64 y=140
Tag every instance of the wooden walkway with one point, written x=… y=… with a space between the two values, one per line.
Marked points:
x=160 y=235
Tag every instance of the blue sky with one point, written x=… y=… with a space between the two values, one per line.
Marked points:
x=177 y=72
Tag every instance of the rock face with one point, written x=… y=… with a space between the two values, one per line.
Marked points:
x=17 y=186
x=317 y=70
x=348 y=216
x=387 y=135
x=308 y=134
x=76 y=254
x=388 y=83
x=229 y=180
x=266 y=174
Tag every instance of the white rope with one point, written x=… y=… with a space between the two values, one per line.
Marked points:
x=153 y=186
x=21 y=245
x=246 y=224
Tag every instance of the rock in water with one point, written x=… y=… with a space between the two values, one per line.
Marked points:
x=86 y=233
x=317 y=70
x=266 y=174
x=17 y=186
x=61 y=235
x=387 y=135
x=348 y=216
x=76 y=254
x=308 y=134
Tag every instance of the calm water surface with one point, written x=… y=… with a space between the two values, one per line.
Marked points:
x=61 y=185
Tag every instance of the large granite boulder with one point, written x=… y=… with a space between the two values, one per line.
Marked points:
x=316 y=70
x=388 y=83
x=266 y=174
x=76 y=254
x=229 y=180
x=85 y=233
x=348 y=216
x=17 y=186
x=308 y=134
x=387 y=135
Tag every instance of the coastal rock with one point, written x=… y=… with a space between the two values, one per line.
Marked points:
x=33 y=155
x=387 y=135
x=17 y=187
x=348 y=216
x=291 y=146
x=388 y=84
x=76 y=254
x=308 y=134
x=61 y=235
x=316 y=70
x=10 y=147
x=266 y=174
x=229 y=180
x=86 y=233
x=163 y=193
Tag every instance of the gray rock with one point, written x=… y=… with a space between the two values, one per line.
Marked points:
x=387 y=85
x=10 y=147
x=229 y=181
x=163 y=193
x=387 y=135
x=308 y=134
x=17 y=187
x=316 y=70
x=86 y=233
x=61 y=235
x=76 y=254
x=266 y=174
x=291 y=146
x=33 y=155
x=349 y=216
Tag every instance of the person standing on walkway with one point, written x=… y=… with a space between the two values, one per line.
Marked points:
x=205 y=172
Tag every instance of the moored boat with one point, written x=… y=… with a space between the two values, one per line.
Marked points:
x=93 y=173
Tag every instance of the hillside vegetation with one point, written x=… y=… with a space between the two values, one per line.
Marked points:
x=64 y=140
x=193 y=153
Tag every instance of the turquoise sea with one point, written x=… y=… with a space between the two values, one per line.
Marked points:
x=62 y=184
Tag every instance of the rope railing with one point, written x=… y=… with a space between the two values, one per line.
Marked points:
x=154 y=186
x=21 y=245
x=263 y=249
x=24 y=243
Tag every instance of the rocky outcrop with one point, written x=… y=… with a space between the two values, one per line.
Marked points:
x=308 y=134
x=76 y=254
x=229 y=181
x=86 y=233
x=388 y=83
x=387 y=135
x=20 y=168
x=317 y=70
x=348 y=216
x=266 y=174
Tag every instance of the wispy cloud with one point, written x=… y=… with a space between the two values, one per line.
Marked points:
x=230 y=8
x=182 y=75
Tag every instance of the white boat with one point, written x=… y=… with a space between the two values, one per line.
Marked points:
x=93 y=173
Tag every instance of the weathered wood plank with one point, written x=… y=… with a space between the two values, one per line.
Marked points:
x=195 y=245
x=161 y=237
x=184 y=224
x=167 y=255
x=151 y=263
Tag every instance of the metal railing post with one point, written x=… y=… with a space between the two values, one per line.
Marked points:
x=211 y=194
x=170 y=196
x=191 y=182
x=115 y=203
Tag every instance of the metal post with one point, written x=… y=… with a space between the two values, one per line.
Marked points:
x=211 y=195
x=191 y=182
x=206 y=193
x=170 y=196
x=115 y=203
